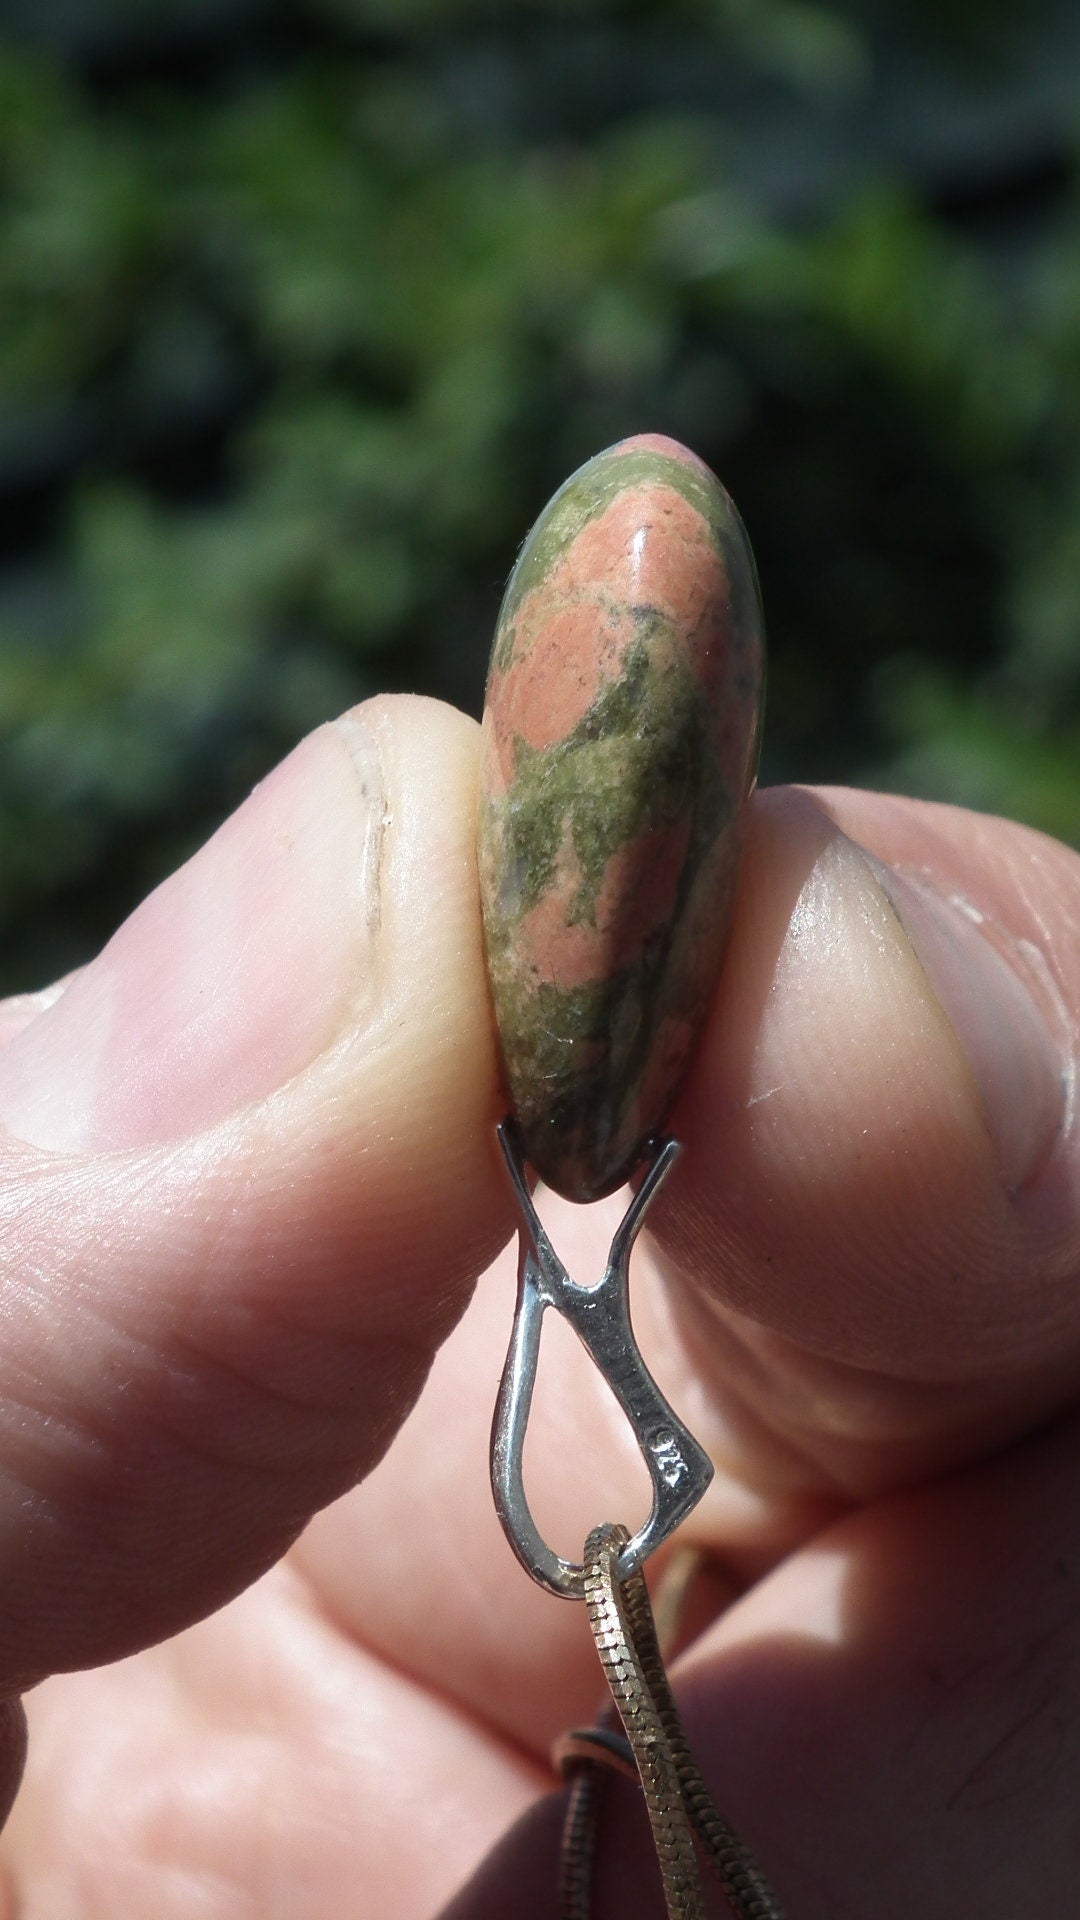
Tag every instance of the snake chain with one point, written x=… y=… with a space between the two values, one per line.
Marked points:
x=655 y=1749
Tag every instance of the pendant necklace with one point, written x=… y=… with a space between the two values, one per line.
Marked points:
x=620 y=745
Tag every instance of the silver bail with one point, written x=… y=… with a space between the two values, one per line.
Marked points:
x=680 y=1469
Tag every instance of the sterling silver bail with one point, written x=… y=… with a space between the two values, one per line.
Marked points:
x=680 y=1469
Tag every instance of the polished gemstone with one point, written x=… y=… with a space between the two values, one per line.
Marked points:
x=620 y=745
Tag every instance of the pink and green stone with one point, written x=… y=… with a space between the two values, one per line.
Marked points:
x=620 y=746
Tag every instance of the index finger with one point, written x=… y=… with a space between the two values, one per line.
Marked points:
x=875 y=1227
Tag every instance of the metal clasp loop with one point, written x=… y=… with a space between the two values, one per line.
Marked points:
x=679 y=1468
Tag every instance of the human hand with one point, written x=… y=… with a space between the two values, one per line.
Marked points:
x=249 y=1180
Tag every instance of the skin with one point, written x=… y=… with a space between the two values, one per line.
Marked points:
x=231 y=1265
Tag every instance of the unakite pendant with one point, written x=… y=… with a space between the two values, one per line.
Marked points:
x=620 y=745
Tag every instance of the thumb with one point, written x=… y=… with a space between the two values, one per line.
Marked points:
x=247 y=1183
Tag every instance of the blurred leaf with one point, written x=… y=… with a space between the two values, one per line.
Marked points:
x=305 y=311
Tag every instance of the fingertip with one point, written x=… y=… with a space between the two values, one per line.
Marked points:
x=843 y=1180
x=420 y=1085
x=374 y=1170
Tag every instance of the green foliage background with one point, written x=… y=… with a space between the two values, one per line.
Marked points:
x=305 y=310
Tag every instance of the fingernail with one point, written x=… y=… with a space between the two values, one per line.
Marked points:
x=1001 y=1016
x=230 y=979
